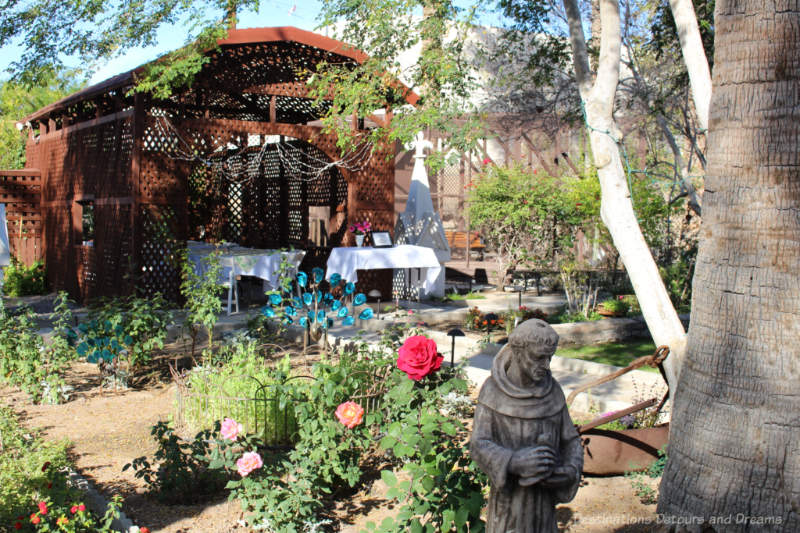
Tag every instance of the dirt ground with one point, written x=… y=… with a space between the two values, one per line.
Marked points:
x=108 y=429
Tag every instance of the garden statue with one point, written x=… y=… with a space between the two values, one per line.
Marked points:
x=523 y=437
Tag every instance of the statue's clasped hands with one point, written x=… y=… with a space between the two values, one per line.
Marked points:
x=532 y=464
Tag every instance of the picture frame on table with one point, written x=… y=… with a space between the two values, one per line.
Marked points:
x=381 y=239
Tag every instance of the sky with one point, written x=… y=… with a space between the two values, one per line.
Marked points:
x=301 y=14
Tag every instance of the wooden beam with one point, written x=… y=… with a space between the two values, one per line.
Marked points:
x=538 y=154
x=85 y=124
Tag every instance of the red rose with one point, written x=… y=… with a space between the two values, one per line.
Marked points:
x=43 y=508
x=81 y=507
x=144 y=530
x=73 y=509
x=417 y=357
x=17 y=525
x=35 y=519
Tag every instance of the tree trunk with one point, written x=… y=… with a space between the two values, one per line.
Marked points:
x=616 y=208
x=736 y=451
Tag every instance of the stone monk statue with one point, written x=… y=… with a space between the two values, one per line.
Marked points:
x=523 y=437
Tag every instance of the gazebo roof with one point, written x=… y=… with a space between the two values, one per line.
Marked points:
x=325 y=49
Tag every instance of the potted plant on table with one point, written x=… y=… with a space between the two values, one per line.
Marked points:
x=360 y=229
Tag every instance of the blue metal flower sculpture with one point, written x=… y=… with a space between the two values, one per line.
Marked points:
x=316 y=308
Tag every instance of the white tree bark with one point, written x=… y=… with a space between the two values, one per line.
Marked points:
x=616 y=208
x=694 y=56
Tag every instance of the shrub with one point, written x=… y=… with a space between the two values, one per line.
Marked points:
x=646 y=493
x=21 y=280
x=34 y=489
x=202 y=293
x=29 y=364
x=359 y=410
x=180 y=473
x=123 y=332
x=616 y=306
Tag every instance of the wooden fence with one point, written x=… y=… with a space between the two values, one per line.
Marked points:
x=21 y=192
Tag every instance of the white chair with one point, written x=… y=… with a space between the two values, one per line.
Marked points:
x=229 y=282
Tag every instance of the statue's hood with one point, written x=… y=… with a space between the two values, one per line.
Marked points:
x=500 y=394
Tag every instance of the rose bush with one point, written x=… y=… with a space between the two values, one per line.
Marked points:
x=350 y=414
x=417 y=357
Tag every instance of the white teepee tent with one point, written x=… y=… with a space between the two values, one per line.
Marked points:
x=5 y=252
x=419 y=224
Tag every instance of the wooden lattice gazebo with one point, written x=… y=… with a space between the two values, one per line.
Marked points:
x=125 y=180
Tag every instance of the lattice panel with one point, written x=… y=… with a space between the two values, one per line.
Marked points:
x=60 y=253
x=234 y=83
x=376 y=183
x=114 y=245
x=158 y=269
x=21 y=194
x=449 y=189
x=87 y=272
x=92 y=160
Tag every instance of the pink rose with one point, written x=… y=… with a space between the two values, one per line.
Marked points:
x=350 y=414
x=248 y=462
x=230 y=429
x=418 y=357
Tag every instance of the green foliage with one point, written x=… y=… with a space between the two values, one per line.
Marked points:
x=29 y=364
x=33 y=472
x=419 y=426
x=18 y=100
x=288 y=492
x=23 y=480
x=653 y=214
x=97 y=31
x=646 y=493
x=455 y=297
x=22 y=280
x=202 y=293
x=573 y=316
x=530 y=217
x=678 y=275
x=665 y=41
x=180 y=472
x=239 y=370
x=384 y=30
x=441 y=488
x=616 y=306
x=123 y=331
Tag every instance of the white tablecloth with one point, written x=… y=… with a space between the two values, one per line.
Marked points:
x=346 y=261
x=242 y=261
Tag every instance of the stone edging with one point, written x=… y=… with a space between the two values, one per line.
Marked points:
x=98 y=504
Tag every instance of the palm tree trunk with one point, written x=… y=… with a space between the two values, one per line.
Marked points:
x=734 y=450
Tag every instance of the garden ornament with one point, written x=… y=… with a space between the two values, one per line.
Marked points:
x=523 y=437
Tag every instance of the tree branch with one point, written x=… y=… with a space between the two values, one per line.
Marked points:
x=694 y=56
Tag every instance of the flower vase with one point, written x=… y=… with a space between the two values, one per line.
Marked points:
x=359 y=240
